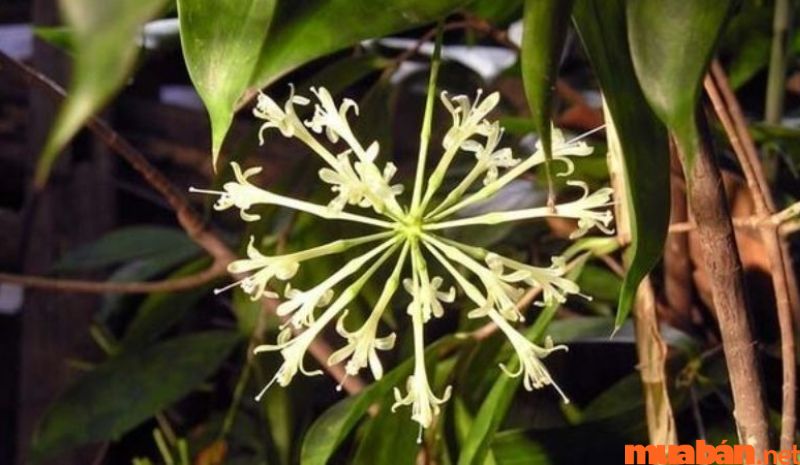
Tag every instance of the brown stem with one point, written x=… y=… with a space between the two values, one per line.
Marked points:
x=189 y=220
x=678 y=284
x=708 y=205
x=652 y=355
x=732 y=119
x=102 y=287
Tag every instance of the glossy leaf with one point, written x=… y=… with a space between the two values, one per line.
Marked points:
x=127 y=244
x=545 y=25
x=643 y=139
x=303 y=31
x=104 y=45
x=671 y=43
x=221 y=46
x=123 y=392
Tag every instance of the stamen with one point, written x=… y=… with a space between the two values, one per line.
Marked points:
x=266 y=388
x=419 y=435
x=341 y=383
x=560 y=392
x=195 y=190
x=228 y=287
x=586 y=134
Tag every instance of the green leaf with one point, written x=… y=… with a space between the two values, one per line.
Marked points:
x=496 y=11
x=343 y=73
x=389 y=439
x=330 y=429
x=138 y=270
x=160 y=311
x=671 y=44
x=600 y=283
x=516 y=449
x=643 y=140
x=545 y=24
x=333 y=426
x=104 y=35
x=127 y=244
x=247 y=311
x=495 y=407
x=303 y=31
x=123 y=392
x=58 y=36
x=221 y=45
x=489 y=417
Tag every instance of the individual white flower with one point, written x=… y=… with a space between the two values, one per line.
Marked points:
x=585 y=210
x=330 y=119
x=424 y=403
x=551 y=280
x=501 y=297
x=468 y=117
x=379 y=182
x=489 y=159
x=240 y=193
x=362 y=347
x=429 y=296
x=530 y=356
x=293 y=351
x=346 y=183
x=301 y=304
x=564 y=149
x=419 y=395
x=281 y=267
x=284 y=119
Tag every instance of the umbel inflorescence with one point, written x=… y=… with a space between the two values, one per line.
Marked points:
x=407 y=240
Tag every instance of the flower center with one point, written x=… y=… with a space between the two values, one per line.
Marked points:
x=410 y=228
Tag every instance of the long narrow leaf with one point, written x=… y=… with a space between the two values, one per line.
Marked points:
x=104 y=47
x=601 y=25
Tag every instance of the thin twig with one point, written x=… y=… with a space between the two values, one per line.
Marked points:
x=111 y=287
x=780 y=220
x=733 y=121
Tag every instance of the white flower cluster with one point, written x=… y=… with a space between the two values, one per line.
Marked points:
x=408 y=233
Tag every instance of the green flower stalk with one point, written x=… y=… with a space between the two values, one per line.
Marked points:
x=408 y=237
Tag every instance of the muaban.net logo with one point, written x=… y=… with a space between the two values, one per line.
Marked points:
x=702 y=453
